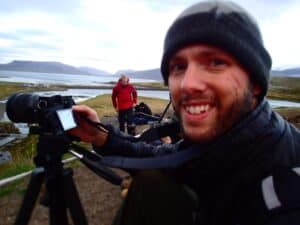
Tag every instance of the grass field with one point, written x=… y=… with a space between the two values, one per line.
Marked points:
x=8 y=88
x=103 y=105
x=284 y=88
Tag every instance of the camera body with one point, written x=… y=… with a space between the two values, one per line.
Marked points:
x=53 y=114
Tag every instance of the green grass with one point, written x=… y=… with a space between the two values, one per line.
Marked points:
x=9 y=88
x=22 y=157
x=285 y=82
x=13 y=186
x=17 y=169
x=23 y=154
x=284 y=88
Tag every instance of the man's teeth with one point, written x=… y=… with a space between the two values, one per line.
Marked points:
x=197 y=109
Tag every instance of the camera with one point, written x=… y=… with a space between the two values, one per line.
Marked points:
x=53 y=114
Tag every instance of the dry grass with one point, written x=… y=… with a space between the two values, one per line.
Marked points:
x=284 y=88
x=103 y=105
x=8 y=88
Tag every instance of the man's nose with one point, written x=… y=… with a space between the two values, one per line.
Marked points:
x=193 y=79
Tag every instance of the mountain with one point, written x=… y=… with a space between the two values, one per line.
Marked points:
x=57 y=67
x=41 y=67
x=120 y=72
x=153 y=74
x=94 y=71
x=287 y=72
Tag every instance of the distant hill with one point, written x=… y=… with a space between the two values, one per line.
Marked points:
x=153 y=74
x=120 y=72
x=57 y=67
x=287 y=72
x=94 y=71
x=42 y=67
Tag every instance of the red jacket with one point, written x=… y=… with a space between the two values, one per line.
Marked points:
x=123 y=97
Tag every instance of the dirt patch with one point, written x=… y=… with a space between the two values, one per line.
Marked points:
x=99 y=198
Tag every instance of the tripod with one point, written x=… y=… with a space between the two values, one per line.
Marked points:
x=61 y=191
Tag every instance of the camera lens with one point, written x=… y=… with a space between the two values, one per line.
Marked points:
x=22 y=108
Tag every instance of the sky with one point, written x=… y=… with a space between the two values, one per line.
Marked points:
x=117 y=35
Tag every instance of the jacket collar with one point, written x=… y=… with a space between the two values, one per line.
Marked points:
x=247 y=146
x=251 y=127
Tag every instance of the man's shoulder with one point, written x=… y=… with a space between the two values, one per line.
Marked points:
x=292 y=136
x=287 y=149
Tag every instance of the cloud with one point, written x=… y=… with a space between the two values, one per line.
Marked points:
x=52 y=6
x=119 y=34
x=282 y=37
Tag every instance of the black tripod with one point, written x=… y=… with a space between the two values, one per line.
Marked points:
x=61 y=193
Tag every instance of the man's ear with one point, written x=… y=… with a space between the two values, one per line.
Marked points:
x=256 y=89
x=256 y=92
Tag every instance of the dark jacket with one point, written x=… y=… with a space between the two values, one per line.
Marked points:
x=227 y=173
x=123 y=97
x=143 y=108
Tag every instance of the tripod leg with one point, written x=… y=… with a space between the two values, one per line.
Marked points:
x=57 y=207
x=30 y=197
x=72 y=198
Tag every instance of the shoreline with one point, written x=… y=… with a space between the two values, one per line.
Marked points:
x=9 y=88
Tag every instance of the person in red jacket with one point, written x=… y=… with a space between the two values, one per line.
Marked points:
x=124 y=98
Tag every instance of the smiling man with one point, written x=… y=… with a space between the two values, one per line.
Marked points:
x=210 y=91
x=246 y=166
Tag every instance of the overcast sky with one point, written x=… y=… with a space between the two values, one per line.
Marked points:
x=124 y=34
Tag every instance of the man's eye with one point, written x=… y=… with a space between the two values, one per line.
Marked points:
x=177 y=67
x=218 y=62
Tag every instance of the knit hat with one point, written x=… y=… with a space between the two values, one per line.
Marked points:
x=224 y=25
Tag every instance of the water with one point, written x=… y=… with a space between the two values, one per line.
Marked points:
x=84 y=94
x=283 y=103
x=65 y=79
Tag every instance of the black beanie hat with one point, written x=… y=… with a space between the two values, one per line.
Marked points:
x=224 y=25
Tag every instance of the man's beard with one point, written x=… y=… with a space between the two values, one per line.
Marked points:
x=236 y=112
